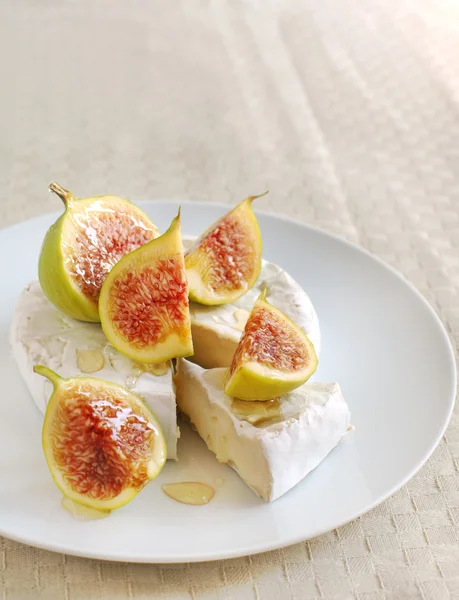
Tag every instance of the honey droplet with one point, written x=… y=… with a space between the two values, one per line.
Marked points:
x=110 y=351
x=90 y=361
x=159 y=369
x=189 y=492
x=81 y=512
x=131 y=381
x=258 y=414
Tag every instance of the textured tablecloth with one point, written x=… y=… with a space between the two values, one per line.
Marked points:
x=348 y=111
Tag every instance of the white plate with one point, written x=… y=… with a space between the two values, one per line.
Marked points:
x=381 y=341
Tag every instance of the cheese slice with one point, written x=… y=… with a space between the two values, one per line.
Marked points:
x=216 y=330
x=272 y=445
x=41 y=334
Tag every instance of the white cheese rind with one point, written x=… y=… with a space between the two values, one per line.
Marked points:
x=272 y=459
x=41 y=334
x=218 y=329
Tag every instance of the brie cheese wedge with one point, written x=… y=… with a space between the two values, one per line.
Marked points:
x=272 y=445
x=216 y=330
x=41 y=334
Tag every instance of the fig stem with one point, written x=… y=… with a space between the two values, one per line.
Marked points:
x=49 y=374
x=66 y=196
x=252 y=198
x=263 y=295
x=175 y=223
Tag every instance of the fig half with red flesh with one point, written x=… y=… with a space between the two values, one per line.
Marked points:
x=82 y=246
x=273 y=357
x=101 y=442
x=143 y=303
x=224 y=263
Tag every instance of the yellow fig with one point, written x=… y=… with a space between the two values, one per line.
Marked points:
x=101 y=442
x=273 y=357
x=143 y=303
x=224 y=263
x=82 y=246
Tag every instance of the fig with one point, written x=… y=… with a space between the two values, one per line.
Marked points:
x=82 y=246
x=224 y=263
x=143 y=303
x=101 y=442
x=273 y=357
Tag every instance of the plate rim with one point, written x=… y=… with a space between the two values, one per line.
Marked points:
x=275 y=545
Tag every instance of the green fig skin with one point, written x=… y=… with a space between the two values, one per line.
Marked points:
x=55 y=280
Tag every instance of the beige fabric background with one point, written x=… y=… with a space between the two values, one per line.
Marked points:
x=348 y=110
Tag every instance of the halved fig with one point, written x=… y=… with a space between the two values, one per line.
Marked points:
x=226 y=260
x=143 y=303
x=273 y=357
x=101 y=442
x=82 y=246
